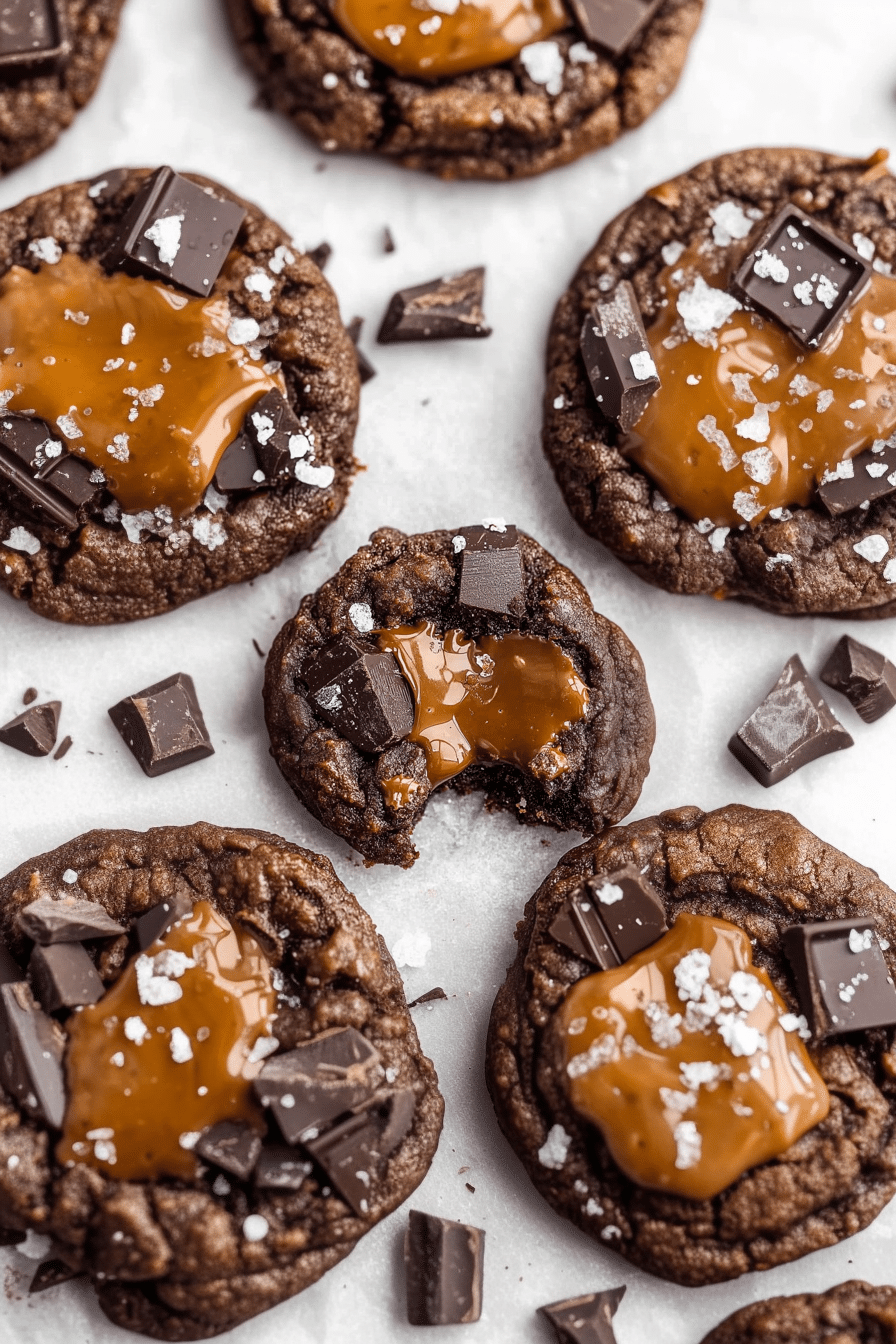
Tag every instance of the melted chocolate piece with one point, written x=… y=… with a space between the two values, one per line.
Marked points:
x=802 y=275
x=446 y=309
x=280 y=1168
x=270 y=426
x=610 y=918
x=585 y=1320
x=63 y=976
x=33 y=38
x=841 y=975
x=56 y=485
x=614 y=24
x=163 y=725
x=239 y=467
x=34 y=732
x=318 y=1081
x=70 y=919
x=198 y=248
x=365 y=368
x=864 y=676
x=618 y=358
x=793 y=726
x=51 y=1274
x=491 y=571
x=444 y=1263
x=231 y=1145
x=351 y=1151
x=31 y=1050
x=361 y=692
x=860 y=480
x=157 y=921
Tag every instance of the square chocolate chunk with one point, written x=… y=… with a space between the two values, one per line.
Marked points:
x=444 y=1263
x=31 y=1050
x=155 y=923
x=63 y=976
x=321 y=1079
x=613 y=24
x=610 y=917
x=70 y=919
x=802 y=275
x=491 y=570
x=33 y=38
x=860 y=480
x=352 y=1151
x=585 y=1320
x=447 y=309
x=843 y=981
x=33 y=732
x=361 y=692
x=163 y=725
x=175 y=230
x=792 y=727
x=55 y=484
x=864 y=676
x=617 y=357
x=233 y=1146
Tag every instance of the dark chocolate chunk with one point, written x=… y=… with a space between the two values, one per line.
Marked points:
x=802 y=275
x=157 y=921
x=446 y=309
x=365 y=368
x=10 y=970
x=238 y=468
x=352 y=1150
x=51 y=1274
x=56 y=485
x=388 y=240
x=610 y=918
x=191 y=249
x=491 y=571
x=163 y=725
x=613 y=24
x=269 y=427
x=280 y=1168
x=63 y=749
x=871 y=475
x=30 y=696
x=842 y=979
x=617 y=357
x=33 y=38
x=318 y=1081
x=103 y=188
x=585 y=1320
x=232 y=1146
x=70 y=919
x=444 y=1262
x=361 y=692
x=34 y=732
x=431 y=996
x=864 y=676
x=793 y=726
x=320 y=255
x=63 y=976
x=31 y=1050
x=10 y=1236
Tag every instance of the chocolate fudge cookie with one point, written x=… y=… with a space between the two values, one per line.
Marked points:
x=692 y=1053
x=851 y=1313
x=481 y=89
x=467 y=659
x=721 y=398
x=212 y=1086
x=178 y=396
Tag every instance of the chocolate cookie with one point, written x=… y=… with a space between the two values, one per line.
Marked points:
x=471 y=660
x=494 y=95
x=194 y=445
x=851 y=1313
x=721 y=398
x=638 y=1098
x=240 y=1094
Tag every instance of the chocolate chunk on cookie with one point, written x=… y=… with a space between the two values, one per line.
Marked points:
x=852 y=1313
x=448 y=660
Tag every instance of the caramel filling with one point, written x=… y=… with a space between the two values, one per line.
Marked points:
x=169 y=1050
x=688 y=1061
x=503 y=699
x=136 y=377
x=433 y=38
x=745 y=421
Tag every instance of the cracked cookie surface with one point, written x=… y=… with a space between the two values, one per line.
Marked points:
x=851 y=1313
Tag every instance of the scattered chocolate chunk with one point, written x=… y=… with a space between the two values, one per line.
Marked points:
x=280 y=1168
x=175 y=230
x=446 y=309
x=51 y=1274
x=31 y=1050
x=491 y=570
x=444 y=1262
x=388 y=240
x=618 y=358
x=33 y=38
x=361 y=692
x=63 y=976
x=34 y=732
x=258 y=649
x=864 y=676
x=610 y=917
x=270 y=427
x=585 y=1320
x=163 y=725
x=56 y=485
x=157 y=921
x=10 y=970
x=365 y=368
x=102 y=188
x=320 y=255
x=802 y=275
x=613 y=24
x=861 y=480
x=431 y=996
x=318 y=1081
x=30 y=696
x=841 y=975
x=63 y=749
x=70 y=919
x=238 y=468
x=232 y=1146
x=793 y=726
x=351 y=1151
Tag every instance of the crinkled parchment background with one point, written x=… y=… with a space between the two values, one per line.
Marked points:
x=450 y=433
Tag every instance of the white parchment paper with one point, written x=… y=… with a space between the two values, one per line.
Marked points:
x=450 y=433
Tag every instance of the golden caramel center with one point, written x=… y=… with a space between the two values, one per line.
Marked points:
x=745 y=420
x=434 y=38
x=688 y=1061
x=501 y=699
x=168 y=1051
x=136 y=377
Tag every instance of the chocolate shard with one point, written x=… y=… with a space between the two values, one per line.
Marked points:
x=858 y=482
x=446 y=309
x=843 y=981
x=613 y=24
x=10 y=970
x=31 y=1050
x=864 y=676
x=431 y=996
x=365 y=368
x=271 y=426
x=56 y=485
x=63 y=976
x=361 y=692
x=352 y=1151
x=155 y=923
x=163 y=725
x=320 y=255
x=68 y=919
x=175 y=230
x=238 y=468
x=802 y=275
x=491 y=569
x=610 y=917
x=34 y=732
x=618 y=358
x=444 y=1263
x=280 y=1168
x=33 y=38
x=318 y=1081
x=51 y=1274
x=587 y=1319
x=63 y=749
x=793 y=726
x=232 y=1146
